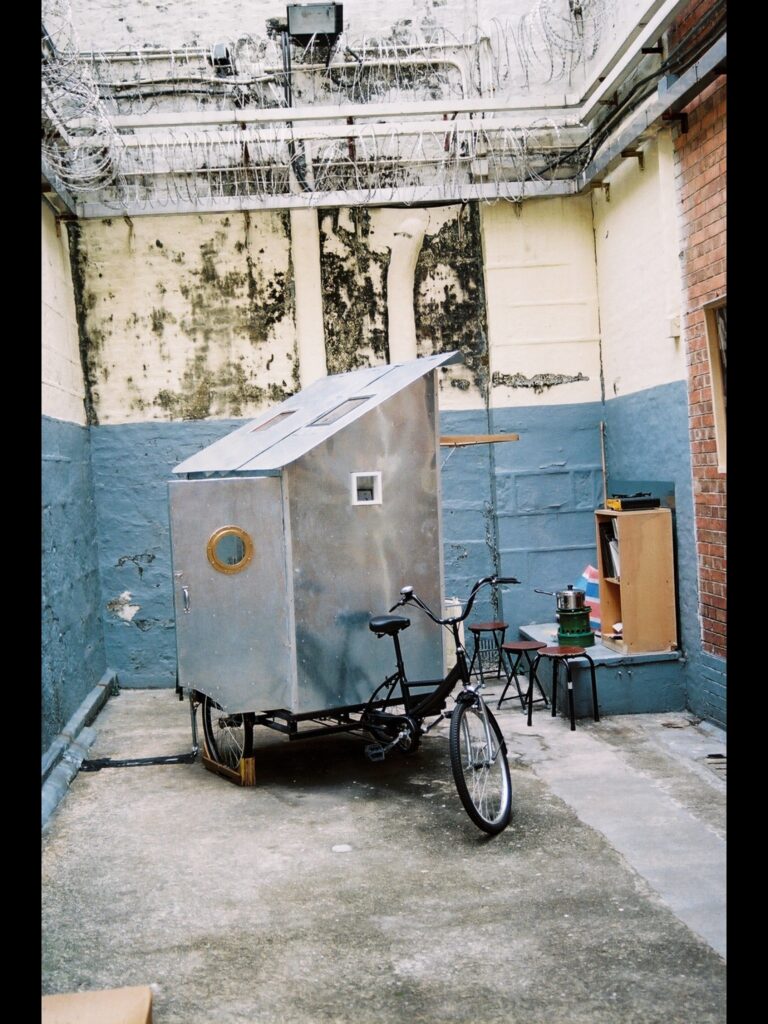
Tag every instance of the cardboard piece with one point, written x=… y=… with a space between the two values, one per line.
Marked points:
x=111 y=1006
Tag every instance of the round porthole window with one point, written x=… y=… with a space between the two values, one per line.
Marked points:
x=230 y=549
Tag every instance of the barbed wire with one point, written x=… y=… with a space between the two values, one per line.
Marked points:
x=80 y=144
x=86 y=94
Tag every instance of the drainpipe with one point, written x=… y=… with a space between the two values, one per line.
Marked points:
x=310 y=336
x=401 y=318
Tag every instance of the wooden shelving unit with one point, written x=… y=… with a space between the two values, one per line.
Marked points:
x=639 y=591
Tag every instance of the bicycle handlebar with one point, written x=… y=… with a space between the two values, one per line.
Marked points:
x=409 y=595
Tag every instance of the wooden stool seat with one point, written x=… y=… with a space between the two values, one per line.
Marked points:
x=487 y=627
x=563 y=655
x=561 y=652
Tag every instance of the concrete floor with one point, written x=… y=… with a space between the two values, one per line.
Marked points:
x=339 y=890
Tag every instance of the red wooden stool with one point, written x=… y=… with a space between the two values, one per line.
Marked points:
x=521 y=649
x=563 y=655
x=487 y=648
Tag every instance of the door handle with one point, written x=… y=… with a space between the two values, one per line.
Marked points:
x=185 y=595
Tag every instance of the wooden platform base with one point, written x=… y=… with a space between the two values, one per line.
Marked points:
x=243 y=775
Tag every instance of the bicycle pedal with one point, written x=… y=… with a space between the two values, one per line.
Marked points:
x=375 y=752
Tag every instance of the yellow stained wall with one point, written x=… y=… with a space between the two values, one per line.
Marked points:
x=188 y=317
x=638 y=272
x=62 y=377
x=541 y=296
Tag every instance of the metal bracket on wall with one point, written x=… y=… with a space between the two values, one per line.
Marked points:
x=635 y=152
x=668 y=115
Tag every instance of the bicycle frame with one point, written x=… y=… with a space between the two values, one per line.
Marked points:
x=431 y=703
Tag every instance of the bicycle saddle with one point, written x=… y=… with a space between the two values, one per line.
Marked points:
x=388 y=624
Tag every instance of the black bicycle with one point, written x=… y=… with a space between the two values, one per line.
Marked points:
x=395 y=714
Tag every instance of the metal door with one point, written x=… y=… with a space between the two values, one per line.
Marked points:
x=230 y=591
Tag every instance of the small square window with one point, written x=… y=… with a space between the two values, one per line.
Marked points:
x=366 y=488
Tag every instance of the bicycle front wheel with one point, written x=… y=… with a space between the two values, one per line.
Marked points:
x=480 y=766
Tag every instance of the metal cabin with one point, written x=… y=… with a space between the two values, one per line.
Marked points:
x=289 y=533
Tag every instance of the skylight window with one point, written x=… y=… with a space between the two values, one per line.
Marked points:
x=340 y=410
x=270 y=422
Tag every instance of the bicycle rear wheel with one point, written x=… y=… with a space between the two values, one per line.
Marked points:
x=225 y=737
x=480 y=766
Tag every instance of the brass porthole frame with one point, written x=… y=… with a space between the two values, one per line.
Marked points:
x=214 y=539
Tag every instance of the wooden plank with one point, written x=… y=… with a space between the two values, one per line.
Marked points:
x=244 y=775
x=220 y=769
x=460 y=440
x=247 y=768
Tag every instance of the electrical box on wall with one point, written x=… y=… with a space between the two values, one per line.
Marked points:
x=308 y=20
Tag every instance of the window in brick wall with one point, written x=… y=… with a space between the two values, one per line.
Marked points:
x=715 y=319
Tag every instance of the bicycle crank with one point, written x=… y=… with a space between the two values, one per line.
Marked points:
x=377 y=752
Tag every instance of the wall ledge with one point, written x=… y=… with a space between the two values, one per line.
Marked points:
x=62 y=760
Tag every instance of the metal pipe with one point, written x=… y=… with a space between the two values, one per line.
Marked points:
x=396 y=196
x=440 y=129
x=623 y=61
x=316 y=113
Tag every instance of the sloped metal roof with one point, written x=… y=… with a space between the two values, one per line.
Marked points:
x=286 y=432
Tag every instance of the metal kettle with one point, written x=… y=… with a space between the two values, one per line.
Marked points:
x=569 y=600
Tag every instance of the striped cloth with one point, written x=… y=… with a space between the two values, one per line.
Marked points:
x=588 y=582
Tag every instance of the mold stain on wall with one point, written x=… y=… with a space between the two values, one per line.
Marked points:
x=353 y=281
x=89 y=343
x=185 y=321
x=539 y=382
x=450 y=298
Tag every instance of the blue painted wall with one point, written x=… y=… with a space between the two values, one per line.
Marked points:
x=73 y=655
x=132 y=465
x=548 y=485
x=469 y=526
x=545 y=488
x=647 y=439
x=523 y=508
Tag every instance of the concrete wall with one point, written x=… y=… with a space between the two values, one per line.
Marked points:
x=515 y=289
x=63 y=389
x=702 y=196
x=132 y=465
x=640 y=260
x=544 y=360
x=547 y=62
x=638 y=268
x=172 y=301
x=566 y=311
x=185 y=317
x=72 y=652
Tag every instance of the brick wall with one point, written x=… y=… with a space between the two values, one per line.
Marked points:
x=701 y=175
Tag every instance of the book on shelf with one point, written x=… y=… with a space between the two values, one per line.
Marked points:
x=609 y=547
x=614 y=548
